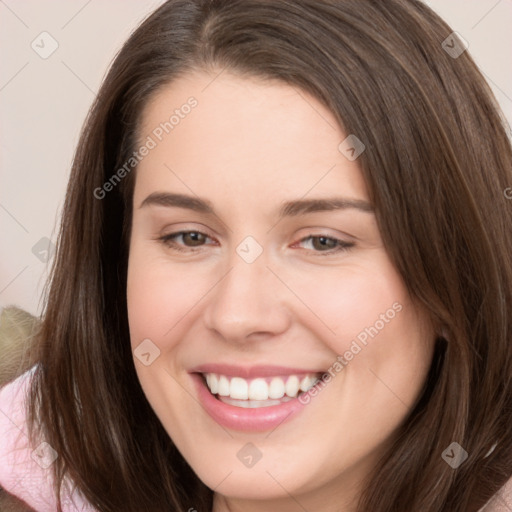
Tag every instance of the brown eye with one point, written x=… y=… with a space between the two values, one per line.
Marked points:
x=322 y=243
x=325 y=244
x=185 y=239
x=193 y=238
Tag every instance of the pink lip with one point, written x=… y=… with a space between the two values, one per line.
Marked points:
x=238 y=418
x=251 y=372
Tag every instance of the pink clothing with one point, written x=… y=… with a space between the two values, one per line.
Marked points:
x=501 y=501
x=25 y=472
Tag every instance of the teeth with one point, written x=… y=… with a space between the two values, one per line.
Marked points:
x=292 y=386
x=213 y=382
x=252 y=404
x=276 y=389
x=307 y=382
x=259 y=389
x=239 y=389
x=223 y=387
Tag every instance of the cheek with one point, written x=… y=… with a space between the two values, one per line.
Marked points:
x=351 y=302
x=160 y=294
x=152 y=297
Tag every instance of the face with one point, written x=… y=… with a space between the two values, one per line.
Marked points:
x=256 y=269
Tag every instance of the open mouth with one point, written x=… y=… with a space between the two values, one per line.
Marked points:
x=260 y=391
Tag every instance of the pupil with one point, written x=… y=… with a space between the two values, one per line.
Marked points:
x=195 y=237
x=324 y=242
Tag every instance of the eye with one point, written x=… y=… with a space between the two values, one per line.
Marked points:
x=183 y=240
x=190 y=240
x=326 y=244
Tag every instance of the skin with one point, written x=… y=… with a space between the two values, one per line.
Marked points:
x=247 y=147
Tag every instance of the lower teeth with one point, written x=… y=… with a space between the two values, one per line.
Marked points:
x=252 y=404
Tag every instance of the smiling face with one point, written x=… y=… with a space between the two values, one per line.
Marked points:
x=268 y=284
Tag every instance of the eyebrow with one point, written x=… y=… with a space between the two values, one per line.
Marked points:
x=288 y=208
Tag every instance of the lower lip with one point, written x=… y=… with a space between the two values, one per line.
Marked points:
x=239 y=418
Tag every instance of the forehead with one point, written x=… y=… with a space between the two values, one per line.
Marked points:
x=222 y=133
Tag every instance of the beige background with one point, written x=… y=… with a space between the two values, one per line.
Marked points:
x=43 y=103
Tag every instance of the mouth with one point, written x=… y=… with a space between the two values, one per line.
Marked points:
x=260 y=391
x=256 y=399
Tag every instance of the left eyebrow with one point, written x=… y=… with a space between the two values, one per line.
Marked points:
x=303 y=206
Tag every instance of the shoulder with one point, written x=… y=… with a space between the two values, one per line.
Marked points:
x=501 y=501
x=21 y=472
x=26 y=477
x=16 y=329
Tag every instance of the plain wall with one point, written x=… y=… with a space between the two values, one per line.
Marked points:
x=44 y=101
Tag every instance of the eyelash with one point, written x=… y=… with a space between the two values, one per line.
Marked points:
x=168 y=240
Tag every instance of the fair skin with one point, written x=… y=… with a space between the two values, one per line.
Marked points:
x=248 y=147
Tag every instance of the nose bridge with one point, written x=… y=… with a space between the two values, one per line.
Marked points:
x=248 y=299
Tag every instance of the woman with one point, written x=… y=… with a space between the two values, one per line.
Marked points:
x=284 y=274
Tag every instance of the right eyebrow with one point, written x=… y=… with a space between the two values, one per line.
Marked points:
x=178 y=201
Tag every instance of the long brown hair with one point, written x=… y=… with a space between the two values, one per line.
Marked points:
x=437 y=163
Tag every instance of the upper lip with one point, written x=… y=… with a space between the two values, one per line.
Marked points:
x=250 y=372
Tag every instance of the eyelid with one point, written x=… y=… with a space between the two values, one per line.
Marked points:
x=342 y=245
x=167 y=239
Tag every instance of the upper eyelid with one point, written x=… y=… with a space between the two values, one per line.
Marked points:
x=301 y=239
x=186 y=231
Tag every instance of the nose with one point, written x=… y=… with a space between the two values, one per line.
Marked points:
x=249 y=303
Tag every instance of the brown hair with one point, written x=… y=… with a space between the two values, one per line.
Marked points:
x=437 y=162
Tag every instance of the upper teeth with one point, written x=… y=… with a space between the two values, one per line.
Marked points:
x=260 y=388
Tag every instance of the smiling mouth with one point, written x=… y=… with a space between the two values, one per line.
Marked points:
x=258 y=392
